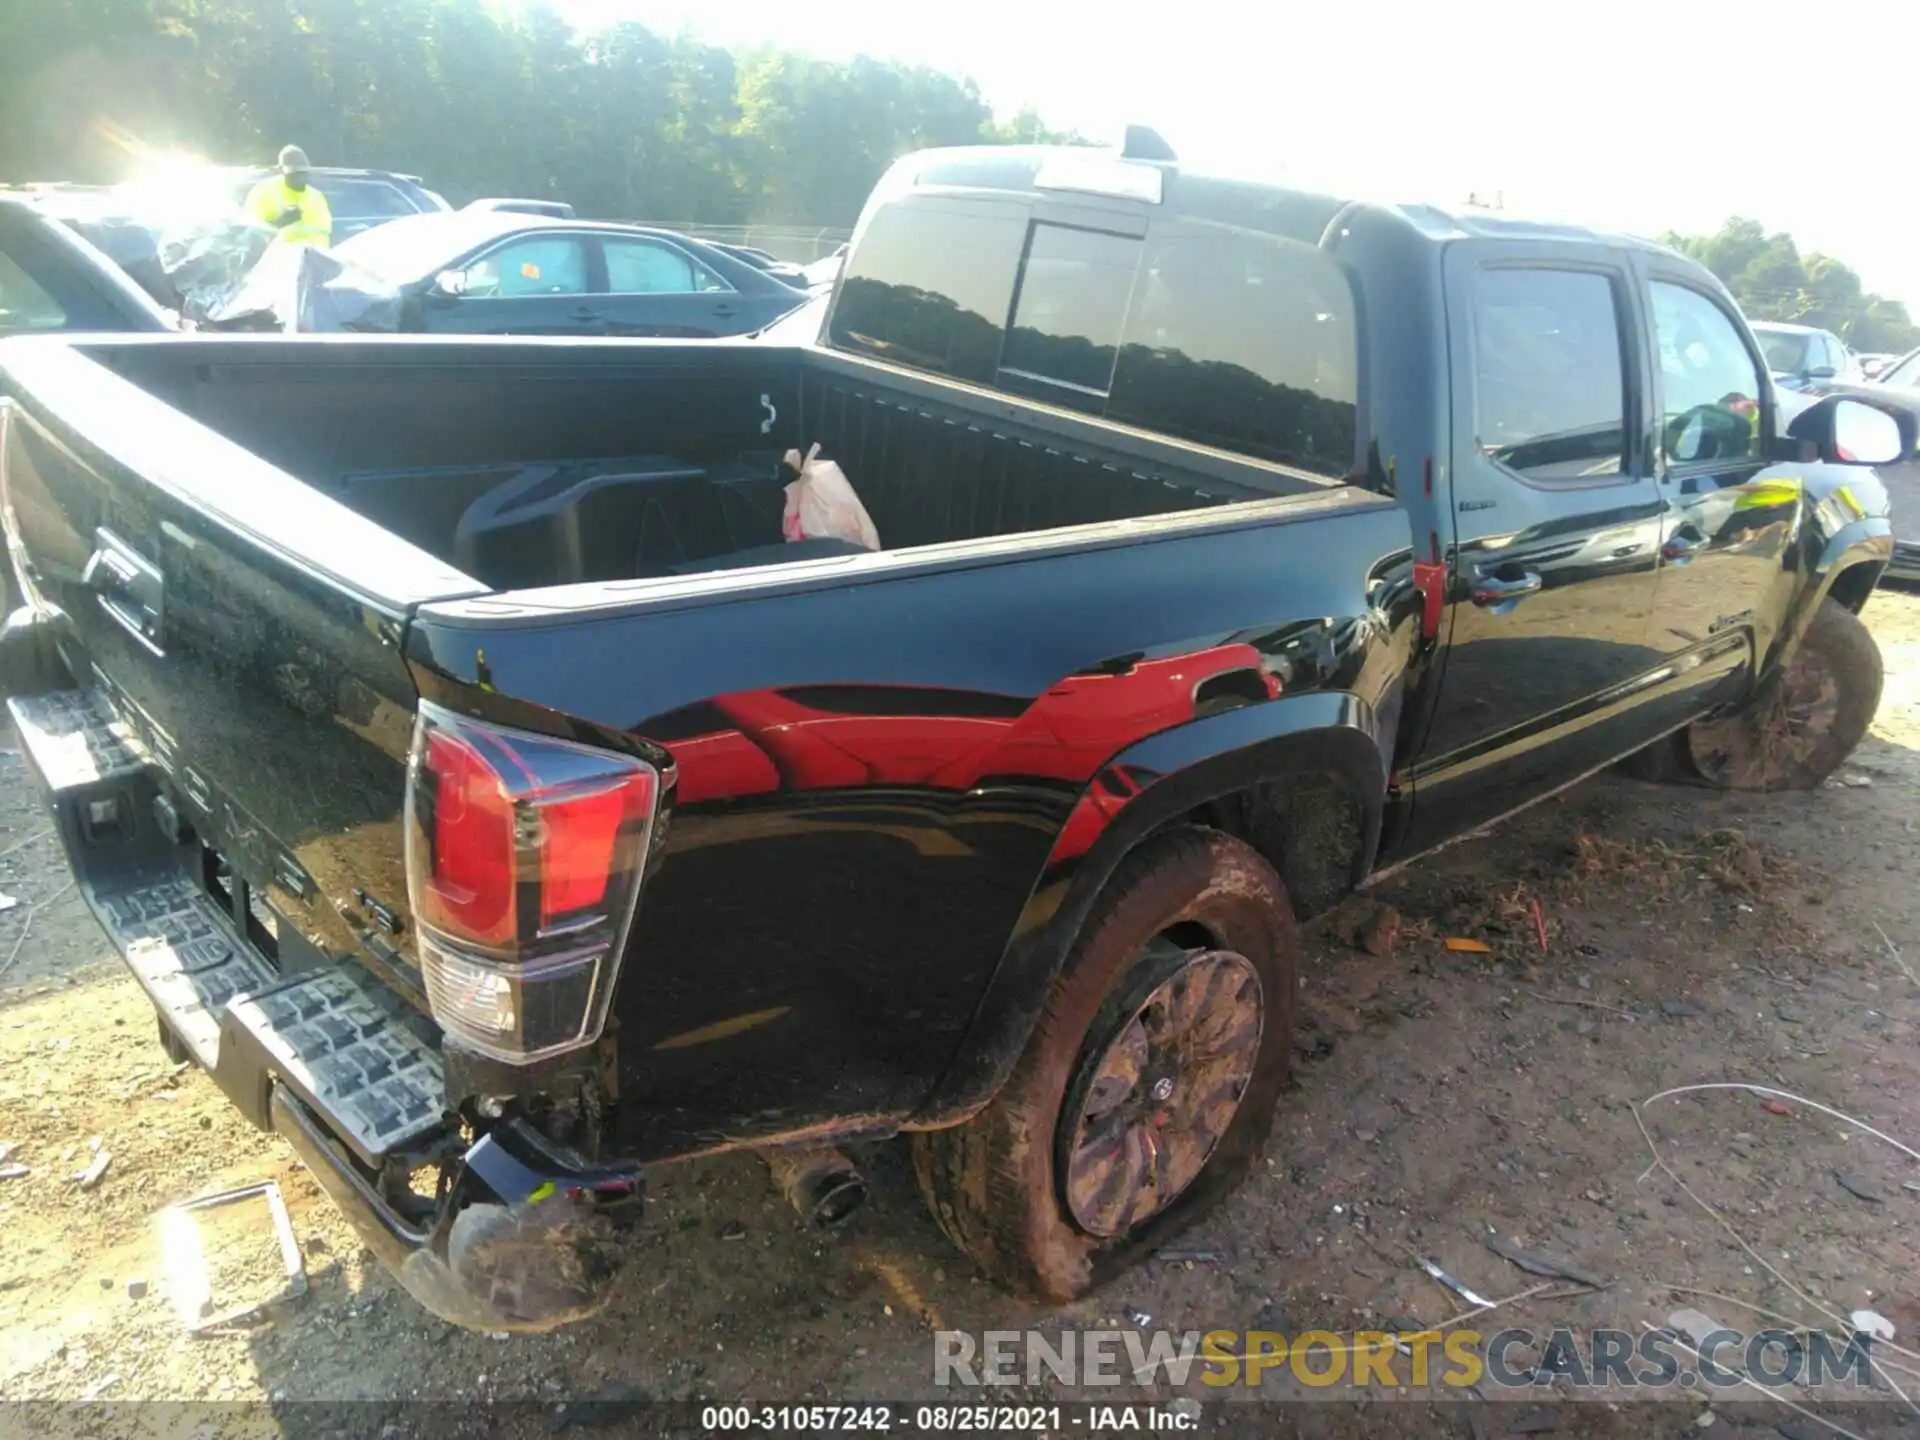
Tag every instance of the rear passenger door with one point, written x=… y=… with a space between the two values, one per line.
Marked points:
x=1557 y=531
x=654 y=288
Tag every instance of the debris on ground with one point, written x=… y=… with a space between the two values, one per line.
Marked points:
x=1535 y=1263
x=1859 y=1189
x=97 y=1167
x=1871 y=1322
x=1367 y=924
x=1776 y=1107
x=1696 y=1325
x=189 y=1284
x=99 y=1387
x=1467 y=945
x=1452 y=1284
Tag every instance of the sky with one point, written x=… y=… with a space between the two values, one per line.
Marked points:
x=1632 y=115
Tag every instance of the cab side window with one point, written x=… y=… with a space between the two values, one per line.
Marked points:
x=1711 y=389
x=1550 y=375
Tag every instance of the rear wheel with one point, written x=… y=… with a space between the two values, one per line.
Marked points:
x=1149 y=1084
x=1805 y=722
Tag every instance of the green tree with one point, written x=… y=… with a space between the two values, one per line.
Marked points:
x=475 y=97
x=1028 y=128
x=1772 y=280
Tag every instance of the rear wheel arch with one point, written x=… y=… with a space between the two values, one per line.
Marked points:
x=1281 y=777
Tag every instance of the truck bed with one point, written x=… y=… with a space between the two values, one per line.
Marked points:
x=527 y=464
x=583 y=539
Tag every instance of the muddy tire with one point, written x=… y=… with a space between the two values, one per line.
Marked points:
x=1805 y=722
x=1148 y=1086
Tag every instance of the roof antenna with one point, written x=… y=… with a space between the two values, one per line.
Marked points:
x=1145 y=144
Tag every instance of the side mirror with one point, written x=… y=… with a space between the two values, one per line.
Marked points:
x=450 y=284
x=1844 y=431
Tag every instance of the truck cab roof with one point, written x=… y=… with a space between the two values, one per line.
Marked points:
x=1106 y=177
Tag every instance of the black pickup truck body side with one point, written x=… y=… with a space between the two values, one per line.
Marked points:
x=876 y=759
x=899 y=779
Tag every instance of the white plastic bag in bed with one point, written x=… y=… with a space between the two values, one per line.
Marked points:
x=821 y=504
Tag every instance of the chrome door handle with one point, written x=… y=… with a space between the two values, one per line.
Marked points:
x=1491 y=591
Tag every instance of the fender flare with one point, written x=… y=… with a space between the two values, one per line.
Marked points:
x=1867 y=541
x=1155 y=781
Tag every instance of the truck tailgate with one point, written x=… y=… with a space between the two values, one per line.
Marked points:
x=242 y=633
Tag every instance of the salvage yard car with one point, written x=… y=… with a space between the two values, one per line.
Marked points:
x=507 y=273
x=52 y=279
x=497 y=805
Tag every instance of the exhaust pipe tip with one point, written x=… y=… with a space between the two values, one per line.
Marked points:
x=821 y=1183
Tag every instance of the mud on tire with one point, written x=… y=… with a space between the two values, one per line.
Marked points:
x=995 y=1184
x=1805 y=722
x=1792 y=735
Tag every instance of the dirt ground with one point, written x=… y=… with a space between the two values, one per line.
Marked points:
x=1443 y=1099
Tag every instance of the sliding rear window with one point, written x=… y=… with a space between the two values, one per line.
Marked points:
x=1234 y=338
x=1067 y=320
x=930 y=283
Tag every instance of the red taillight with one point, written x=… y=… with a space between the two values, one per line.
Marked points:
x=577 y=848
x=524 y=862
x=468 y=889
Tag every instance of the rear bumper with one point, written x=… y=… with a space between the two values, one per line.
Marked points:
x=520 y=1236
x=535 y=1262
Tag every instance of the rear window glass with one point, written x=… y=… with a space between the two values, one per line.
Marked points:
x=929 y=285
x=1243 y=341
x=24 y=305
x=1073 y=302
x=1234 y=338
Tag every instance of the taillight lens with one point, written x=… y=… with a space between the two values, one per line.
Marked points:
x=525 y=857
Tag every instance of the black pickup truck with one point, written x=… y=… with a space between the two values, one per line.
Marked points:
x=496 y=804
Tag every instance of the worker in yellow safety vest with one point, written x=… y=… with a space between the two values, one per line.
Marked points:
x=289 y=204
